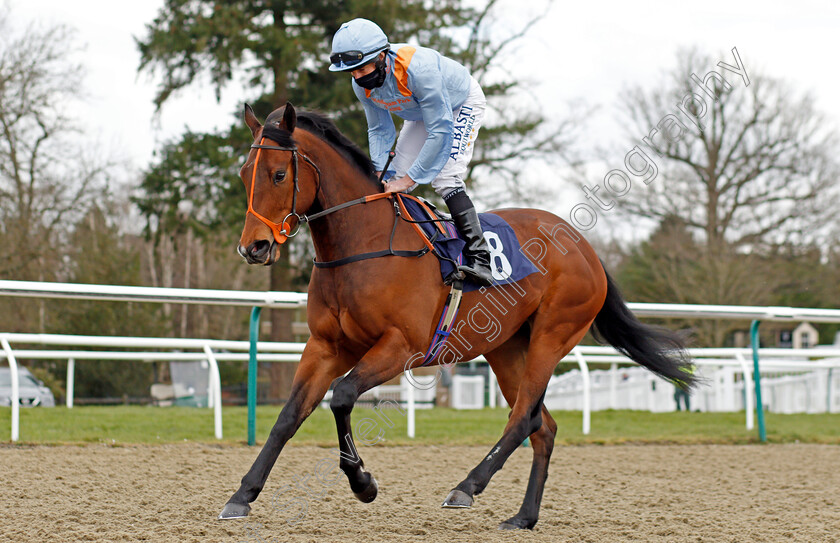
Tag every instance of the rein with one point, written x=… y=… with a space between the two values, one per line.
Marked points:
x=283 y=230
x=373 y=254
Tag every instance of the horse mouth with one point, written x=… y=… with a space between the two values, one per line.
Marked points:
x=272 y=254
x=260 y=252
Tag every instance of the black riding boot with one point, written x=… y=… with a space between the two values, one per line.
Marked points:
x=476 y=252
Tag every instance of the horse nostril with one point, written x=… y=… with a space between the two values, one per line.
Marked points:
x=259 y=249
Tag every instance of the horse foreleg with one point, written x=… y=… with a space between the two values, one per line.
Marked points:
x=318 y=367
x=381 y=363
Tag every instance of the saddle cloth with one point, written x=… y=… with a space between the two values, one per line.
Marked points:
x=508 y=263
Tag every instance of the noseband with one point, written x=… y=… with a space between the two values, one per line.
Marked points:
x=282 y=231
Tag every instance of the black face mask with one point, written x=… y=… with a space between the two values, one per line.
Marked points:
x=375 y=78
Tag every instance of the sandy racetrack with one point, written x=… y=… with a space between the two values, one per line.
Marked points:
x=616 y=493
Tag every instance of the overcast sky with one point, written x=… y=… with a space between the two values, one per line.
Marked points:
x=581 y=50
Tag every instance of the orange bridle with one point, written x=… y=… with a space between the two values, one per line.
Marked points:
x=282 y=231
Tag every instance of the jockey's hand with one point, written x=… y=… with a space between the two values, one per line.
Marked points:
x=399 y=185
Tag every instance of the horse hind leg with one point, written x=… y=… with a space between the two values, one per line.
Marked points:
x=528 y=418
x=542 y=442
x=509 y=365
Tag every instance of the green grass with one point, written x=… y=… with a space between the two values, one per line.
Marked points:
x=136 y=424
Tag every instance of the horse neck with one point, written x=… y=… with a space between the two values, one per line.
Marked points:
x=356 y=229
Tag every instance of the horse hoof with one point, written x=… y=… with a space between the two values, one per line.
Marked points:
x=516 y=524
x=234 y=510
x=457 y=499
x=368 y=494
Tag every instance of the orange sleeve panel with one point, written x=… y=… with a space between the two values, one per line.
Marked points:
x=404 y=55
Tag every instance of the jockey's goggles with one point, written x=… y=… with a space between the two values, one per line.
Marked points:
x=351 y=58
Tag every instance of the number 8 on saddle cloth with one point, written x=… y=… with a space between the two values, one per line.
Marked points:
x=507 y=261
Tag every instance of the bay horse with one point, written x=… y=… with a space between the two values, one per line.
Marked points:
x=370 y=317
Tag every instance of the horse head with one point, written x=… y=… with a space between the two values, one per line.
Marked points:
x=281 y=183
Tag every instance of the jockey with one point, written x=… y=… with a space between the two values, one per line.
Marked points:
x=442 y=105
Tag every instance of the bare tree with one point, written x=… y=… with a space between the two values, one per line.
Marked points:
x=741 y=164
x=742 y=159
x=47 y=176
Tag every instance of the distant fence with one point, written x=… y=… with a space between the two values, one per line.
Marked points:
x=208 y=350
x=798 y=380
x=258 y=300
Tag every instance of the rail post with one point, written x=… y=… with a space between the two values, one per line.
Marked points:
x=759 y=406
x=215 y=391
x=15 y=401
x=71 y=379
x=252 y=374
x=411 y=406
x=491 y=387
x=748 y=391
x=584 y=373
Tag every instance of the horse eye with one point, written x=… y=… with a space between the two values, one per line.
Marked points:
x=279 y=175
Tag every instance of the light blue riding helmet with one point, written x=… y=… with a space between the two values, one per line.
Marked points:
x=356 y=43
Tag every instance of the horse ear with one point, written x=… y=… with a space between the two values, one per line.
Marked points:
x=251 y=120
x=289 y=117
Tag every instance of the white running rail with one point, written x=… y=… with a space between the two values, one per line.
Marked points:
x=581 y=354
x=209 y=350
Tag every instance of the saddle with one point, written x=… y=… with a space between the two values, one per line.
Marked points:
x=508 y=262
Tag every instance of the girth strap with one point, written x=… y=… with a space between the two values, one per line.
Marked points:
x=366 y=256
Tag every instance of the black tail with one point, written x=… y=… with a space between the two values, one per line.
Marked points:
x=658 y=349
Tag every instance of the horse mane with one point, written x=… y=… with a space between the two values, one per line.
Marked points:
x=324 y=128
